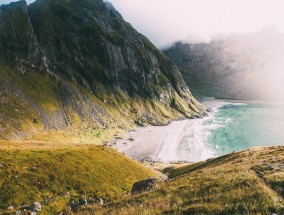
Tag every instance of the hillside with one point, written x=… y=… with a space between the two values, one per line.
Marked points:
x=244 y=66
x=53 y=177
x=76 y=67
x=247 y=182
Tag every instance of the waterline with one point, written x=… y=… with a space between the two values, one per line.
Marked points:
x=230 y=126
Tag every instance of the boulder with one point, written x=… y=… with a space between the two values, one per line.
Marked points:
x=73 y=205
x=83 y=202
x=101 y=202
x=35 y=207
x=144 y=186
x=10 y=208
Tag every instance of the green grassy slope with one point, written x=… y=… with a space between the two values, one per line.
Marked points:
x=47 y=175
x=248 y=182
x=34 y=106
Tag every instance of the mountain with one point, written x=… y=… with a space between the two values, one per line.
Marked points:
x=78 y=67
x=246 y=66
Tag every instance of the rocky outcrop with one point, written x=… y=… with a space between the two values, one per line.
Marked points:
x=18 y=43
x=35 y=207
x=90 y=43
x=144 y=186
x=90 y=61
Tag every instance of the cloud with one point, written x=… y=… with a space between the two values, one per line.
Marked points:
x=165 y=21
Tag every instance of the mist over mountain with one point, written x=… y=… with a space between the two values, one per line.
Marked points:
x=247 y=66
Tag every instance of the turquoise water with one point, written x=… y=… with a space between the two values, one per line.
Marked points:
x=234 y=127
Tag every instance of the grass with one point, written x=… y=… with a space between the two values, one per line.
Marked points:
x=46 y=175
x=225 y=185
x=35 y=96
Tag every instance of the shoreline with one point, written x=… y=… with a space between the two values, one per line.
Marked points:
x=169 y=143
x=145 y=143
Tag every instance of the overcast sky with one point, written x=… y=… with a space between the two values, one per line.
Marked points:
x=8 y=1
x=165 y=21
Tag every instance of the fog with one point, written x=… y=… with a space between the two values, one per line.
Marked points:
x=165 y=21
x=194 y=21
x=261 y=51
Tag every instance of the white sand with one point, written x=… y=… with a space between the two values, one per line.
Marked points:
x=179 y=141
x=153 y=141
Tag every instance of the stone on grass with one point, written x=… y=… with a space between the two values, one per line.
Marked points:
x=35 y=207
x=144 y=186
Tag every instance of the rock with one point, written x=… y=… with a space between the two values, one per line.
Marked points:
x=35 y=207
x=101 y=202
x=83 y=202
x=18 y=212
x=33 y=168
x=220 y=63
x=144 y=186
x=131 y=139
x=259 y=174
x=33 y=213
x=91 y=200
x=10 y=208
x=1 y=165
x=112 y=53
x=73 y=205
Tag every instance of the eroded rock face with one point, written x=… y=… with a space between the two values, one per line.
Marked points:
x=144 y=186
x=89 y=40
x=17 y=36
x=86 y=44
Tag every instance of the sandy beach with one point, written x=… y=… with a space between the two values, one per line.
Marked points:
x=179 y=141
x=153 y=142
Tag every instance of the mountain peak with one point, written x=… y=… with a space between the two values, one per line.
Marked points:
x=90 y=61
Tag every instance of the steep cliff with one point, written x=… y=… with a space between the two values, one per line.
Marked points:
x=246 y=66
x=76 y=66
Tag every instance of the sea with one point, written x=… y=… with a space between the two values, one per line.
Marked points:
x=232 y=126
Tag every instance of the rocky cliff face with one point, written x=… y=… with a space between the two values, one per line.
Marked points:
x=77 y=64
x=245 y=66
x=18 y=44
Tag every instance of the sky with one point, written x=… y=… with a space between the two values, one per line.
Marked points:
x=166 y=21
x=8 y=1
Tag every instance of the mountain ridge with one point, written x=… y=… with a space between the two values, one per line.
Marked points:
x=244 y=66
x=79 y=65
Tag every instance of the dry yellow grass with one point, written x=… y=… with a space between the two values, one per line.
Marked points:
x=47 y=175
x=248 y=182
